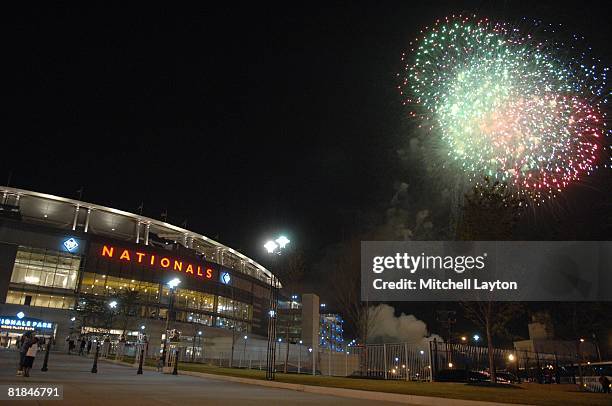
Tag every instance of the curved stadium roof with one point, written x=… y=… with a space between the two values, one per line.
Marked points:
x=59 y=212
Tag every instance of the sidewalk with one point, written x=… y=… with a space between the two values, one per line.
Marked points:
x=340 y=392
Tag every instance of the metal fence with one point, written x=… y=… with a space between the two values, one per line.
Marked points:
x=525 y=365
x=395 y=361
x=400 y=361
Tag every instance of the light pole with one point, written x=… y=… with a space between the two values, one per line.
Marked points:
x=314 y=367
x=243 y=351
x=273 y=247
x=200 y=344
x=172 y=284
x=112 y=305
x=300 y=356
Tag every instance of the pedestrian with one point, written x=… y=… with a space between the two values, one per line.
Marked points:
x=88 y=346
x=22 y=345
x=82 y=346
x=160 y=363
x=28 y=361
x=70 y=345
x=605 y=383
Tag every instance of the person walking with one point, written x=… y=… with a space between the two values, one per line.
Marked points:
x=88 y=346
x=22 y=345
x=82 y=346
x=30 y=354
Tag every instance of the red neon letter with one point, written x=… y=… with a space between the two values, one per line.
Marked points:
x=200 y=271
x=107 y=251
x=178 y=264
x=140 y=255
x=209 y=273
x=125 y=255
x=189 y=269
x=165 y=262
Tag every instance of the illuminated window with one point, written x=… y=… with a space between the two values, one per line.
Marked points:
x=47 y=268
x=40 y=300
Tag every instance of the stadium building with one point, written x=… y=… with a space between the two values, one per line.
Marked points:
x=60 y=255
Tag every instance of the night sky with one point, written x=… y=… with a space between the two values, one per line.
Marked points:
x=246 y=122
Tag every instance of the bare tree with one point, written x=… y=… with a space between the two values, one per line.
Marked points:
x=491 y=212
x=494 y=318
x=346 y=277
x=128 y=301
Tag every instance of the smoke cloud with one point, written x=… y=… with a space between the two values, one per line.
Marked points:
x=385 y=327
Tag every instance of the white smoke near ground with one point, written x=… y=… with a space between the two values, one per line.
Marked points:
x=385 y=327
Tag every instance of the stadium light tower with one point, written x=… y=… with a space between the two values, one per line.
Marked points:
x=282 y=241
x=277 y=246
x=270 y=246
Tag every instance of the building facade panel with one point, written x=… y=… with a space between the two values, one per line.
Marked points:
x=52 y=267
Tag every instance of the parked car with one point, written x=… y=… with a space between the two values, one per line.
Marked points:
x=460 y=375
x=505 y=377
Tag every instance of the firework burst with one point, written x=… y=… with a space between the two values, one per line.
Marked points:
x=519 y=106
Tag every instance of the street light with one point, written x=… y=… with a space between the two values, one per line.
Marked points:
x=511 y=357
x=463 y=338
x=278 y=244
x=172 y=284
x=476 y=337
x=270 y=246
x=112 y=304
x=282 y=241
x=142 y=327
x=243 y=351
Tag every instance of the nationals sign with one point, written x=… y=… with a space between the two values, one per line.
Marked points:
x=155 y=260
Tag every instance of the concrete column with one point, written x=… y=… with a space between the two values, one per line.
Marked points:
x=4 y=197
x=17 y=200
x=138 y=232
x=148 y=226
x=76 y=217
x=185 y=241
x=87 y=219
x=310 y=321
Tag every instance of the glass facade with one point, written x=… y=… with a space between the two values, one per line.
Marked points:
x=234 y=309
x=46 y=268
x=95 y=284
x=191 y=299
x=35 y=269
x=191 y=306
x=40 y=300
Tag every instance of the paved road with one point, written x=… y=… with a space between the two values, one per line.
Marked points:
x=118 y=385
